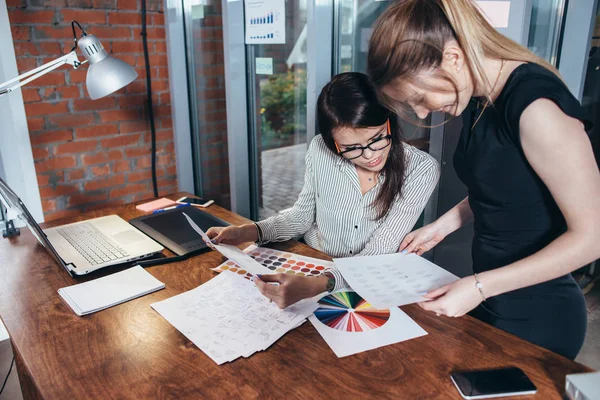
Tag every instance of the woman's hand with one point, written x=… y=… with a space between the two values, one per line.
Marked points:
x=233 y=235
x=291 y=288
x=423 y=239
x=455 y=299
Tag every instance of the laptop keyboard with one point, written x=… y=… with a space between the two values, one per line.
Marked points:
x=91 y=243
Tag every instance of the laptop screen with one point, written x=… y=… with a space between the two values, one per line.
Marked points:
x=13 y=202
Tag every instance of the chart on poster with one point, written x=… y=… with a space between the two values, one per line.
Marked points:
x=265 y=21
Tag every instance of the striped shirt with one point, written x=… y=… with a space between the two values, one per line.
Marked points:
x=333 y=215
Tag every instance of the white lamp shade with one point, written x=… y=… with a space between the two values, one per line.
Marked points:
x=108 y=76
x=105 y=74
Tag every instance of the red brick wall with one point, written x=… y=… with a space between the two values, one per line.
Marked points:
x=93 y=153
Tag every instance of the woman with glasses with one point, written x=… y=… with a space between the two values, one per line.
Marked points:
x=364 y=189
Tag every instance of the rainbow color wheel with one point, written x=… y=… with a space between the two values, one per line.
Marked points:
x=348 y=312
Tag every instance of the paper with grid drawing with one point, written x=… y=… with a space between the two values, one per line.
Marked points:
x=227 y=317
x=392 y=280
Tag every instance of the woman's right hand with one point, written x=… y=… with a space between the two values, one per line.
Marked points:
x=423 y=239
x=291 y=288
x=233 y=235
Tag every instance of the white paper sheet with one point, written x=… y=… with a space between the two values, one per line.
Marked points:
x=227 y=317
x=265 y=21
x=264 y=65
x=392 y=279
x=241 y=258
x=349 y=325
x=496 y=12
x=365 y=36
x=231 y=252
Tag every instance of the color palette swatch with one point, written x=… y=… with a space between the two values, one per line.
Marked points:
x=277 y=261
x=348 y=312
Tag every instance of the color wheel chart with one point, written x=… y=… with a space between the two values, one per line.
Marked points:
x=276 y=261
x=350 y=325
x=348 y=312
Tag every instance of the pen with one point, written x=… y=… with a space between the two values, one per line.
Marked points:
x=171 y=208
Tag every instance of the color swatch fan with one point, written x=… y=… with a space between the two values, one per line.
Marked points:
x=276 y=261
x=348 y=312
x=351 y=325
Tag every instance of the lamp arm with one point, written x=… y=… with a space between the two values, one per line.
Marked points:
x=70 y=58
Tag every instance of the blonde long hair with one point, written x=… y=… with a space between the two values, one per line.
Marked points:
x=409 y=38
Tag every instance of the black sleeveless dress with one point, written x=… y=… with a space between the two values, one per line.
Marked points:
x=515 y=214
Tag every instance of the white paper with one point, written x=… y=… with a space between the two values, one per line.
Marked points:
x=352 y=334
x=231 y=252
x=264 y=66
x=583 y=385
x=227 y=317
x=346 y=51
x=3 y=332
x=101 y=293
x=198 y=11
x=496 y=12
x=392 y=279
x=241 y=258
x=365 y=36
x=265 y=21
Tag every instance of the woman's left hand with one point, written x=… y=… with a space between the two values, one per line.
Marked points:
x=455 y=299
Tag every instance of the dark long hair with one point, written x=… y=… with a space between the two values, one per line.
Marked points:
x=349 y=100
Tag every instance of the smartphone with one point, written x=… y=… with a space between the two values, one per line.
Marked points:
x=485 y=384
x=194 y=201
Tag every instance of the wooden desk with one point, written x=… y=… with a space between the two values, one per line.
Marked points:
x=131 y=352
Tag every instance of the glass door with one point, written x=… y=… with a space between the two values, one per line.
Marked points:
x=208 y=120
x=353 y=27
x=545 y=30
x=277 y=99
x=591 y=88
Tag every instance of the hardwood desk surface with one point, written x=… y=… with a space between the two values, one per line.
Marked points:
x=131 y=352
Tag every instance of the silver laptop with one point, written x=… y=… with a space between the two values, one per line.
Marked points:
x=86 y=246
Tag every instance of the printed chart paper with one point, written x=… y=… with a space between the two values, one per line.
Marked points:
x=350 y=325
x=265 y=21
x=392 y=280
x=227 y=317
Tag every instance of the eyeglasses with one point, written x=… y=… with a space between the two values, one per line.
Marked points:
x=376 y=145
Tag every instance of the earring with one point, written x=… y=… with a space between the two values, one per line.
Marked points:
x=457 y=69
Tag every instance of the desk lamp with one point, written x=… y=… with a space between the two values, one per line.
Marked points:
x=105 y=74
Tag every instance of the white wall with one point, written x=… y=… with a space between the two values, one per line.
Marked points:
x=16 y=157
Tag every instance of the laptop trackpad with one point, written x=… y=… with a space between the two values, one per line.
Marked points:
x=127 y=237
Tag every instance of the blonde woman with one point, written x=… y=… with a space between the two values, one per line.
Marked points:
x=533 y=184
